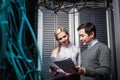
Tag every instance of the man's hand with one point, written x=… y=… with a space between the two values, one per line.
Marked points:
x=68 y=74
x=79 y=70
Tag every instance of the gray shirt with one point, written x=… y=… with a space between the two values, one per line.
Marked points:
x=96 y=61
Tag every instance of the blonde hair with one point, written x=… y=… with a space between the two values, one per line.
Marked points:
x=59 y=30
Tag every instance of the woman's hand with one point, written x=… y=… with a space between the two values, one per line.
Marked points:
x=53 y=70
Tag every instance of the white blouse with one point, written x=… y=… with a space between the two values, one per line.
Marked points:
x=69 y=51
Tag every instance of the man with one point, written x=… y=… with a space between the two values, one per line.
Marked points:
x=95 y=61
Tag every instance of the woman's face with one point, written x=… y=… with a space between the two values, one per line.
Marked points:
x=63 y=38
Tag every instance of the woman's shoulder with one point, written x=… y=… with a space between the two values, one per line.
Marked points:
x=55 y=49
x=75 y=47
x=54 y=52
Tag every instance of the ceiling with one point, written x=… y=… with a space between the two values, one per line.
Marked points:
x=56 y=5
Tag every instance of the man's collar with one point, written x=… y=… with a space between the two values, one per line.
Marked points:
x=92 y=43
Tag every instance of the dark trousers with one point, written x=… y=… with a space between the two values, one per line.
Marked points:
x=72 y=77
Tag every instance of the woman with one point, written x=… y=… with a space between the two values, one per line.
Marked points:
x=65 y=50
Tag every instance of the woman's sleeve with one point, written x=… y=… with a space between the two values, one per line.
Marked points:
x=78 y=57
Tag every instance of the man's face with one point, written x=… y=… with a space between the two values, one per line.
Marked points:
x=63 y=38
x=84 y=37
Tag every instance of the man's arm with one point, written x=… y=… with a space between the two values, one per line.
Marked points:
x=104 y=69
